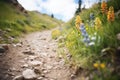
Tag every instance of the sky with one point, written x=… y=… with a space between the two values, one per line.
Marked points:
x=62 y=9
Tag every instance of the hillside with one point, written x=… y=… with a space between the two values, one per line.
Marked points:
x=94 y=49
x=15 y=20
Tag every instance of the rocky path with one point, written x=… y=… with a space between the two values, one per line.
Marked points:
x=34 y=58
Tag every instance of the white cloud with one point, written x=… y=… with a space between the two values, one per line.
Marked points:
x=65 y=8
x=89 y=3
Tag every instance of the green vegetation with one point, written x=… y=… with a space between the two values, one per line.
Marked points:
x=55 y=34
x=13 y=22
x=104 y=51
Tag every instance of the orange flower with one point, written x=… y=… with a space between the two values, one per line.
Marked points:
x=104 y=7
x=111 y=15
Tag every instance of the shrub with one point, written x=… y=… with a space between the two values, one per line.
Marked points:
x=55 y=34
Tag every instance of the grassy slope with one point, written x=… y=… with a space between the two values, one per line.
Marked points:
x=13 y=22
x=83 y=56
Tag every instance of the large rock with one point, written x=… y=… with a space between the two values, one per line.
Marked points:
x=29 y=74
x=2 y=50
x=5 y=46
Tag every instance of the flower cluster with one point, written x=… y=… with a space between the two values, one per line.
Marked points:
x=99 y=65
x=97 y=23
x=78 y=21
x=111 y=15
x=104 y=7
x=80 y=26
x=84 y=34
x=91 y=16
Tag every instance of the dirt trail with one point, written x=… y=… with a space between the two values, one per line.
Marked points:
x=35 y=51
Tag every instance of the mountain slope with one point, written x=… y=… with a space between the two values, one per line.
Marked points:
x=15 y=20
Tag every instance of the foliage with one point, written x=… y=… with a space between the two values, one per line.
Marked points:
x=56 y=34
x=102 y=33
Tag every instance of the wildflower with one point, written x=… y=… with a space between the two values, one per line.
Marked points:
x=111 y=15
x=91 y=43
x=96 y=65
x=93 y=38
x=97 y=23
x=84 y=33
x=104 y=7
x=86 y=28
x=91 y=16
x=78 y=21
x=95 y=33
x=102 y=65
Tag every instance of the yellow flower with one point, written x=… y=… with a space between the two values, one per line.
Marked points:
x=96 y=65
x=77 y=25
x=97 y=23
x=104 y=7
x=102 y=65
x=111 y=15
x=72 y=32
x=78 y=21
x=86 y=28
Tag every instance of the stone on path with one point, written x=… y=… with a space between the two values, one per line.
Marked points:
x=35 y=63
x=25 y=66
x=29 y=74
x=49 y=67
x=40 y=78
x=43 y=38
x=5 y=46
x=29 y=52
x=32 y=57
x=19 y=77
x=2 y=50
